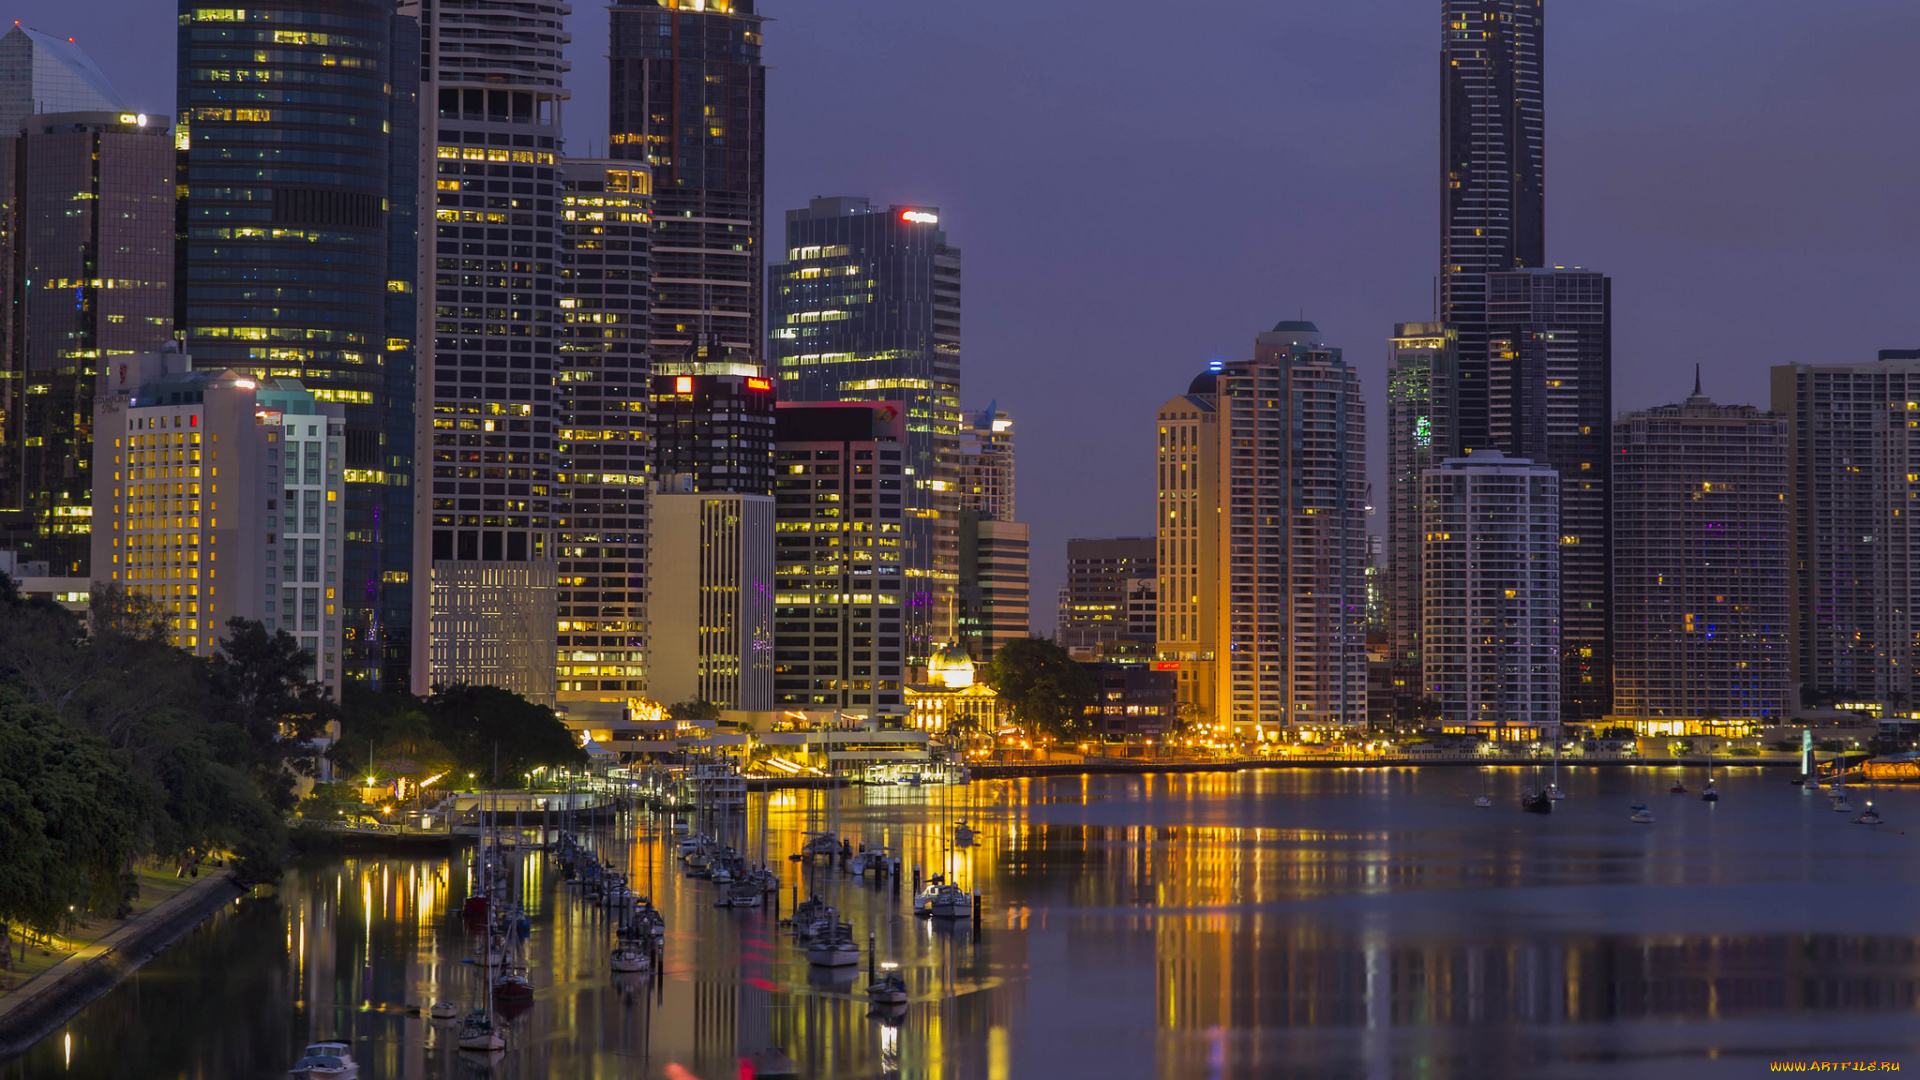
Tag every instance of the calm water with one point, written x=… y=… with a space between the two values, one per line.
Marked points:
x=1355 y=923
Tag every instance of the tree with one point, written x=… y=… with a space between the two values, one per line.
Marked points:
x=69 y=822
x=263 y=679
x=396 y=729
x=694 y=710
x=473 y=721
x=1046 y=689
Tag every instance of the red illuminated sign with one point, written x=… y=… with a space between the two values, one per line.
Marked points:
x=919 y=217
x=759 y=384
x=1166 y=665
x=683 y=385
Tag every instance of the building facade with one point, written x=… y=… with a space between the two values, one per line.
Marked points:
x=1135 y=701
x=603 y=440
x=1701 y=574
x=199 y=464
x=1421 y=361
x=987 y=464
x=687 y=96
x=714 y=631
x=41 y=73
x=1853 y=456
x=290 y=117
x=1189 y=540
x=1287 y=486
x=1106 y=580
x=1491 y=633
x=1550 y=400
x=713 y=420
x=844 y=614
x=992 y=606
x=1492 y=176
x=492 y=86
x=89 y=284
x=867 y=308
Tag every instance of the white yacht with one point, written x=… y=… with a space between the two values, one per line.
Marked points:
x=326 y=1059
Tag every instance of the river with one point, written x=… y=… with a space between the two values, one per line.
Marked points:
x=1288 y=923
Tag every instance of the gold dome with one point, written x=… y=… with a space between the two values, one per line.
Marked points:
x=951 y=667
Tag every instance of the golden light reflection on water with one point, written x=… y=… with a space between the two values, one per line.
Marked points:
x=1172 y=926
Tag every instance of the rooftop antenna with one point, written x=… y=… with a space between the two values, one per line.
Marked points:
x=1696 y=380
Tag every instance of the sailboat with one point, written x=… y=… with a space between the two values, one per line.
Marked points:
x=1640 y=815
x=477 y=1032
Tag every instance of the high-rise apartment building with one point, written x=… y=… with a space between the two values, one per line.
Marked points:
x=41 y=73
x=220 y=496
x=295 y=132
x=1419 y=376
x=1189 y=537
x=1853 y=462
x=602 y=444
x=1492 y=175
x=843 y=617
x=1490 y=651
x=1700 y=570
x=88 y=280
x=486 y=572
x=867 y=308
x=1106 y=579
x=1550 y=400
x=687 y=95
x=987 y=464
x=1287 y=481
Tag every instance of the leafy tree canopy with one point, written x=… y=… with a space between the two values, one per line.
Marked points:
x=473 y=721
x=1046 y=688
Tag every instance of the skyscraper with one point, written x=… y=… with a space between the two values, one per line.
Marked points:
x=714 y=600
x=197 y=464
x=1853 y=466
x=1289 y=575
x=1421 y=361
x=41 y=73
x=485 y=572
x=986 y=464
x=1550 y=400
x=291 y=117
x=1492 y=174
x=90 y=235
x=603 y=443
x=842 y=625
x=1490 y=651
x=867 y=308
x=687 y=95
x=1190 y=549
x=1105 y=580
x=1700 y=584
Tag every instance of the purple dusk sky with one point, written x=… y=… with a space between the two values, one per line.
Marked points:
x=1140 y=187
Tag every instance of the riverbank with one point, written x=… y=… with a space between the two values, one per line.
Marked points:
x=34 y=1009
x=1109 y=766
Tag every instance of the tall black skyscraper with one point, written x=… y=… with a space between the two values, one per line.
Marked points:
x=1492 y=176
x=687 y=96
x=1550 y=399
x=867 y=308
x=295 y=136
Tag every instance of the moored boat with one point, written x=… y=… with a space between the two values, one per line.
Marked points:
x=326 y=1059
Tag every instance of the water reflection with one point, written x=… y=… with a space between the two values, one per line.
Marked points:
x=1271 y=924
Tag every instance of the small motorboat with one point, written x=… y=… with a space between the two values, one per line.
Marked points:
x=944 y=901
x=1641 y=815
x=329 y=1059
x=1483 y=801
x=1842 y=804
x=478 y=1034
x=833 y=945
x=629 y=959
x=1869 y=816
x=1536 y=802
x=1709 y=793
x=889 y=989
x=444 y=1010
x=963 y=834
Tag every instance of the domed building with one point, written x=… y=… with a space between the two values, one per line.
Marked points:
x=952 y=696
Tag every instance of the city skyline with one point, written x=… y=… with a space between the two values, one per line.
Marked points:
x=1361 y=153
